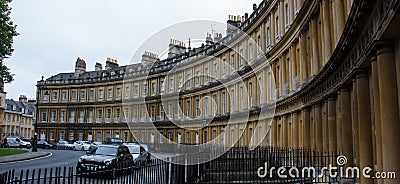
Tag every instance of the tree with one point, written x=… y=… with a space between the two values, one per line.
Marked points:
x=7 y=32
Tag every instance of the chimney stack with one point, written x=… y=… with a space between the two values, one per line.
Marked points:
x=233 y=23
x=149 y=58
x=176 y=48
x=98 y=67
x=23 y=99
x=209 y=40
x=111 y=63
x=80 y=67
x=254 y=7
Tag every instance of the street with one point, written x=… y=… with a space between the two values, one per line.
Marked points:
x=59 y=158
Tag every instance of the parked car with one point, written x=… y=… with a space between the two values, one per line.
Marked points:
x=111 y=140
x=94 y=145
x=44 y=144
x=15 y=142
x=139 y=152
x=81 y=145
x=65 y=145
x=27 y=140
x=110 y=158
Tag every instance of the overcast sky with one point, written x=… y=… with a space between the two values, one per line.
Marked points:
x=54 y=33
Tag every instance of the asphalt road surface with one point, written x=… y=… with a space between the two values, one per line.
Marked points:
x=68 y=158
x=59 y=158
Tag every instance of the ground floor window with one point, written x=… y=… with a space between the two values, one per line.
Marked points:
x=52 y=135
x=90 y=136
x=99 y=136
x=71 y=136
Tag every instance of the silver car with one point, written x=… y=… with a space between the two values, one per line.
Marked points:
x=17 y=143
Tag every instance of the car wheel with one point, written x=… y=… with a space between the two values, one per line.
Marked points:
x=82 y=149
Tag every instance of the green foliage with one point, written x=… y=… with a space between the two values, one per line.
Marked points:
x=7 y=32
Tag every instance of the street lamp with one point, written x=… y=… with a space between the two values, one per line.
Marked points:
x=46 y=93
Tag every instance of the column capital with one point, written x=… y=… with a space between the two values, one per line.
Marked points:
x=304 y=110
x=360 y=74
x=373 y=58
x=317 y=105
x=331 y=97
x=383 y=46
x=344 y=89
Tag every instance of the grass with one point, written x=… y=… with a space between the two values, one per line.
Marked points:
x=7 y=152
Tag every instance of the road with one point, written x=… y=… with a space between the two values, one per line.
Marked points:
x=59 y=158
x=68 y=158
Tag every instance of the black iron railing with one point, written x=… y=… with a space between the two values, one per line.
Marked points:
x=236 y=165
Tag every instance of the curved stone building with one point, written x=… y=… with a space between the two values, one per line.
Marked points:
x=330 y=69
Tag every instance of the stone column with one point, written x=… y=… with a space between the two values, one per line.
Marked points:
x=327 y=45
x=300 y=118
x=290 y=131
x=274 y=132
x=377 y=116
x=291 y=12
x=332 y=124
x=364 y=123
x=283 y=75
x=325 y=130
x=299 y=4
x=307 y=129
x=354 y=121
x=303 y=58
x=273 y=28
x=340 y=18
x=279 y=136
x=349 y=5
x=295 y=125
x=285 y=134
x=314 y=47
x=281 y=18
x=389 y=109
x=318 y=127
x=293 y=62
x=339 y=124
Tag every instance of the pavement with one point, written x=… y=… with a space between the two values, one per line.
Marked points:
x=23 y=157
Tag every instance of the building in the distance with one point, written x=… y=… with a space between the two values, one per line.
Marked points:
x=18 y=117
x=331 y=69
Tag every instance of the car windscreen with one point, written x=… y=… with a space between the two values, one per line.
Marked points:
x=102 y=150
x=134 y=149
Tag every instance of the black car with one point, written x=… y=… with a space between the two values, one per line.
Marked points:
x=45 y=145
x=109 y=158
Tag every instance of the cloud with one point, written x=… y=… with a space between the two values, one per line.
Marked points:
x=54 y=33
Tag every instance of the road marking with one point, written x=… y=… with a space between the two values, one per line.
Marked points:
x=49 y=155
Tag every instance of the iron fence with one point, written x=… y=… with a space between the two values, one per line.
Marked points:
x=236 y=165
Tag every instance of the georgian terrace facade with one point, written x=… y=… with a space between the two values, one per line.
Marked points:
x=329 y=69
